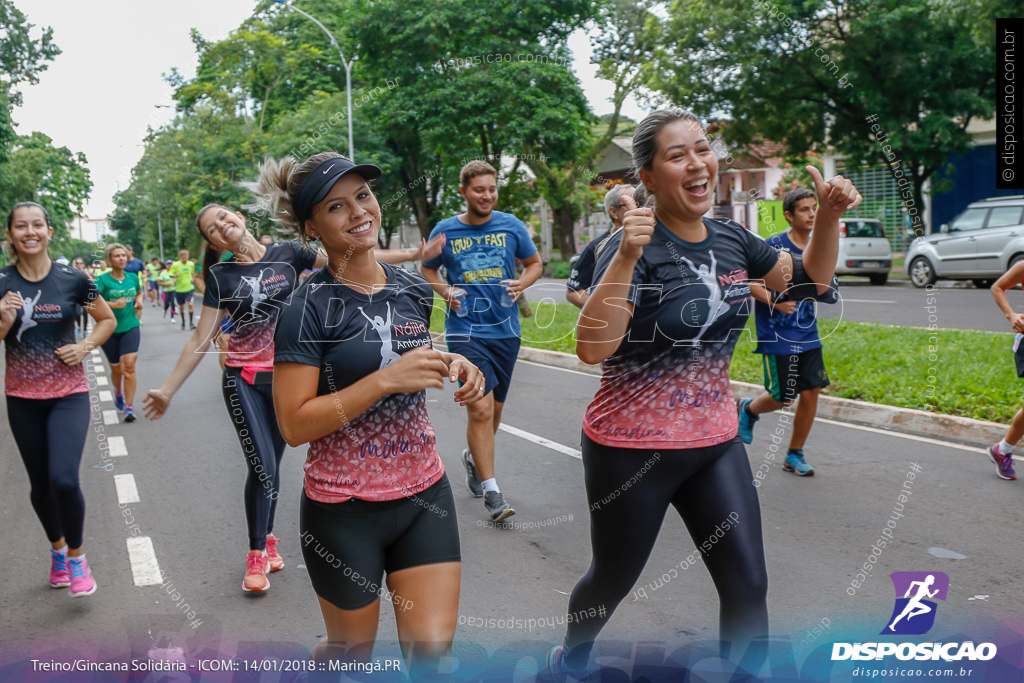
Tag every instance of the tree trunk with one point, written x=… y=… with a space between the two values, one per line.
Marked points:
x=910 y=171
x=418 y=201
x=562 y=231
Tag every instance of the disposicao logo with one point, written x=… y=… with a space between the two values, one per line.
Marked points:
x=914 y=614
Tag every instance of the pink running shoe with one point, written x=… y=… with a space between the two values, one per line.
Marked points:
x=255 y=580
x=82 y=583
x=274 y=557
x=1004 y=463
x=60 y=575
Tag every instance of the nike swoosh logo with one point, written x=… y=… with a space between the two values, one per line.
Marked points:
x=329 y=168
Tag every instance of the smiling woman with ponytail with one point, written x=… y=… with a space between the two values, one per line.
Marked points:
x=671 y=300
x=248 y=290
x=352 y=363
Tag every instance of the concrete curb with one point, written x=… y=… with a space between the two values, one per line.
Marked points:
x=961 y=430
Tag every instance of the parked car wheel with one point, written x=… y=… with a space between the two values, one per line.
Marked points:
x=1015 y=260
x=880 y=279
x=922 y=273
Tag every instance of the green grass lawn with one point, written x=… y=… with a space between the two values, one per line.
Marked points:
x=552 y=326
x=558 y=268
x=952 y=372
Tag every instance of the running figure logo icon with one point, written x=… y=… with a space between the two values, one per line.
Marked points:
x=256 y=291
x=257 y=294
x=383 y=329
x=914 y=613
x=716 y=304
x=28 y=309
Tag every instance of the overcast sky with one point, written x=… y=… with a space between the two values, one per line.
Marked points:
x=101 y=93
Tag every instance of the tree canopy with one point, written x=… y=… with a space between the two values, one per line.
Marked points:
x=435 y=85
x=892 y=82
x=31 y=167
x=54 y=177
x=22 y=57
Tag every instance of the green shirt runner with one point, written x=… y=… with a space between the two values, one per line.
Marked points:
x=112 y=290
x=183 y=274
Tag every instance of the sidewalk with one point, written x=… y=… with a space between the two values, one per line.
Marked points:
x=961 y=430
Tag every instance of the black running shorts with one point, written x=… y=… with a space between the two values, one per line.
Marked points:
x=787 y=374
x=349 y=546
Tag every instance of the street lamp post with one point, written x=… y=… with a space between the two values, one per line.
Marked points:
x=346 y=63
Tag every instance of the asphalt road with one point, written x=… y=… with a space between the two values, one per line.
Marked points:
x=188 y=472
x=957 y=305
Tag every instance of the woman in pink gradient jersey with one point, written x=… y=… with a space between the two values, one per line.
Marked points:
x=47 y=393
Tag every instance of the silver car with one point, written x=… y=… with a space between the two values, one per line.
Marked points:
x=979 y=245
x=864 y=250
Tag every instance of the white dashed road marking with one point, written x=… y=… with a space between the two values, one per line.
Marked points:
x=127 y=492
x=867 y=301
x=117 y=446
x=141 y=555
x=541 y=441
x=145 y=569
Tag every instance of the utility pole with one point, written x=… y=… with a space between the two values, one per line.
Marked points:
x=160 y=232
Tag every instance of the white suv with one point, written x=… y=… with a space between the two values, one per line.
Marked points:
x=864 y=250
x=979 y=245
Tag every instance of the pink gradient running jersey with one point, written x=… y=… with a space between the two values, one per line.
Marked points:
x=667 y=385
x=252 y=294
x=46 y=323
x=387 y=452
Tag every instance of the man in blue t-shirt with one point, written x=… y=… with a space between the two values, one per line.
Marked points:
x=482 y=323
x=787 y=336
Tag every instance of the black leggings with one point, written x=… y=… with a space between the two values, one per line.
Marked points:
x=251 y=409
x=629 y=491
x=50 y=434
